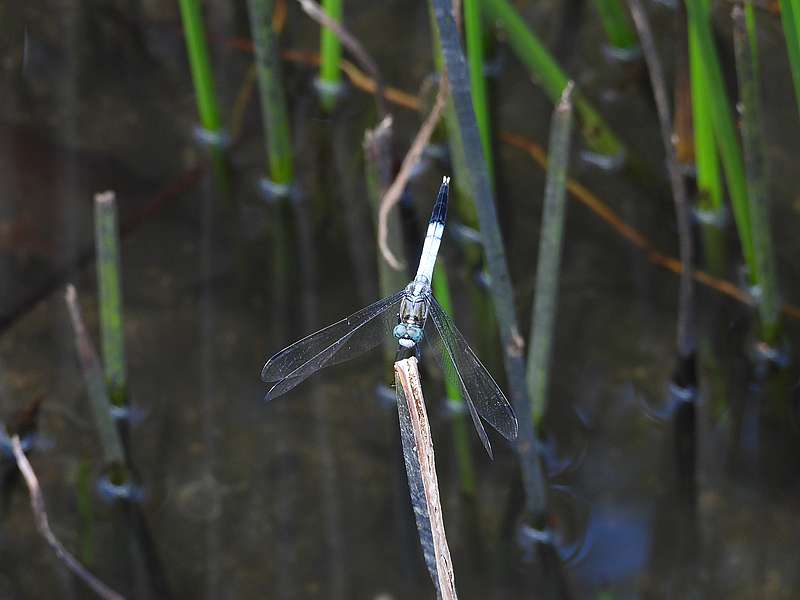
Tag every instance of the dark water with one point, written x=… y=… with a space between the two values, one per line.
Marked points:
x=306 y=497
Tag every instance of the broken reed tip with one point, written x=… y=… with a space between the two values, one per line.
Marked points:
x=106 y=197
x=566 y=96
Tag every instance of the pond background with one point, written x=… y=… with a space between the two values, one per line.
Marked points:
x=306 y=497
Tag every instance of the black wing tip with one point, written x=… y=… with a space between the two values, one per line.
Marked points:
x=439 y=214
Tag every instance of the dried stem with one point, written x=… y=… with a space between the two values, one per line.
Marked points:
x=43 y=525
x=392 y=195
x=422 y=481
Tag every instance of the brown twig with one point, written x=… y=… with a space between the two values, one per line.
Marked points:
x=43 y=525
x=392 y=195
x=421 y=469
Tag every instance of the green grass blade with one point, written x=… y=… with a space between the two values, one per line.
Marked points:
x=709 y=181
x=203 y=79
x=724 y=128
x=274 y=111
x=545 y=70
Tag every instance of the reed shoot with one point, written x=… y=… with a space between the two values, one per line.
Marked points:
x=724 y=127
x=709 y=182
x=109 y=283
x=330 y=74
x=274 y=112
x=200 y=65
x=744 y=37
x=549 y=263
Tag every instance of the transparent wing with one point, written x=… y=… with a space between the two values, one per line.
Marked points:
x=334 y=344
x=462 y=367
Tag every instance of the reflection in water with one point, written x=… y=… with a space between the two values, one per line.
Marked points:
x=208 y=393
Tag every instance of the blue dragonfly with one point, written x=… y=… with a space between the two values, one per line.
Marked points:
x=403 y=315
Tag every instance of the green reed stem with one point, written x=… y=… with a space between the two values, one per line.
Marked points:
x=548 y=74
x=473 y=29
x=549 y=262
x=501 y=290
x=746 y=50
x=461 y=198
x=461 y=432
x=109 y=280
x=274 y=111
x=330 y=74
x=195 y=35
x=790 y=18
x=93 y=375
x=709 y=182
x=615 y=21
x=724 y=129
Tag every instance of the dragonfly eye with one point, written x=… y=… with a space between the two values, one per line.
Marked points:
x=415 y=333
x=399 y=331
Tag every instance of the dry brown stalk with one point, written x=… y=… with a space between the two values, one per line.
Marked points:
x=43 y=525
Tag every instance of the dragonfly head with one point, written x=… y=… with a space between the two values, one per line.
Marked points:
x=408 y=335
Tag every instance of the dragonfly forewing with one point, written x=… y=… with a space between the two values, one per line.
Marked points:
x=462 y=367
x=336 y=343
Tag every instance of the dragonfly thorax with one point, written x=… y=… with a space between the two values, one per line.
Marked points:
x=413 y=313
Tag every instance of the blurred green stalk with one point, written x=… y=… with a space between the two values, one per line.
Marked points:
x=546 y=71
x=790 y=18
x=106 y=231
x=746 y=50
x=194 y=32
x=473 y=28
x=274 y=112
x=549 y=264
x=466 y=471
x=724 y=128
x=618 y=29
x=330 y=75
x=709 y=182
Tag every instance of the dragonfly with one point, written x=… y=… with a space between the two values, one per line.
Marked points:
x=403 y=315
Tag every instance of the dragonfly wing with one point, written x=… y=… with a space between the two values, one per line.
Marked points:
x=336 y=343
x=481 y=392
